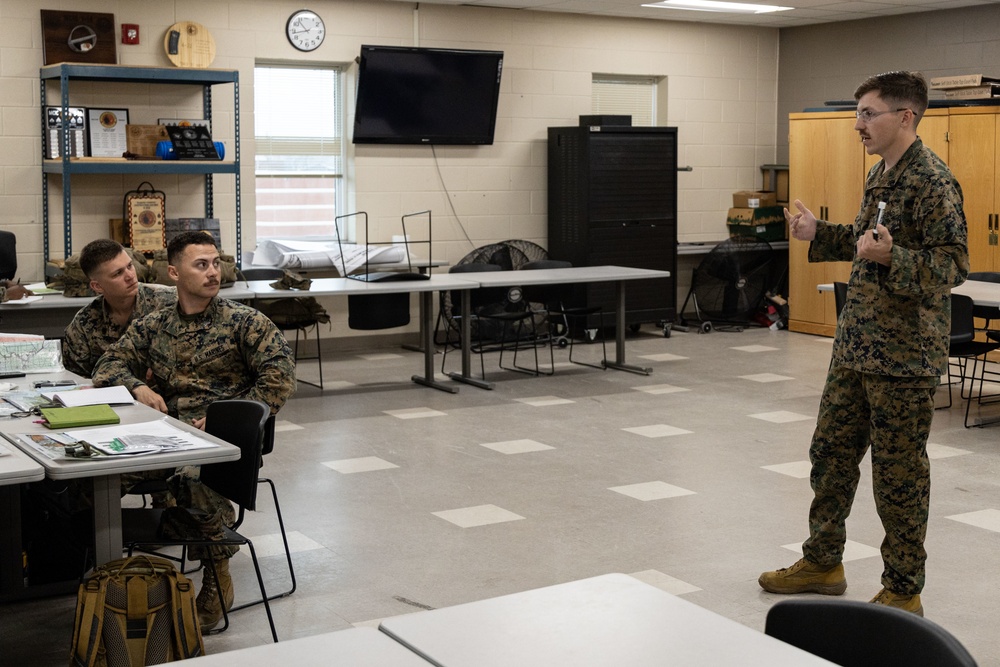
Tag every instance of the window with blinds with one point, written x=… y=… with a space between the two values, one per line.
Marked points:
x=299 y=164
x=625 y=95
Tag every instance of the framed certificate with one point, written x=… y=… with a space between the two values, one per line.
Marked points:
x=108 y=132
x=145 y=219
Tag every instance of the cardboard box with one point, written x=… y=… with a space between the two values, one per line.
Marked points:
x=766 y=223
x=742 y=199
x=776 y=181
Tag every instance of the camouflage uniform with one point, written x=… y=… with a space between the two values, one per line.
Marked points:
x=890 y=350
x=227 y=351
x=92 y=330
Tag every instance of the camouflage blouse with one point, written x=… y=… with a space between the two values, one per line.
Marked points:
x=227 y=351
x=896 y=320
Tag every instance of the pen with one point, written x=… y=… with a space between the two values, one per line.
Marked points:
x=878 y=220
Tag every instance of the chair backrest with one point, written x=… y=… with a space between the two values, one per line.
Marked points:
x=478 y=297
x=8 y=255
x=985 y=276
x=963 y=328
x=549 y=295
x=858 y=634
x=840 y=296
x=240 y=422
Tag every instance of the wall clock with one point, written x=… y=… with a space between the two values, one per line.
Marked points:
x=305 y=30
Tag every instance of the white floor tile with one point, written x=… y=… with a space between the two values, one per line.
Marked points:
x=661 y=389
x=798 y=469
x=481 y=515
x=665 y=582
x=656 y=430
x=383 y=356
x=415 y=413
x=282 y=427
x=271 y=545
x=756 y=348
x=988 y=519
x=852 y=550
x=541 y=401
x=781 y=417
x=516 y=446
x=665 y=356
x=935 y=451
x=651 y=491
x=766 y=377
x=337 y=384
x=362 y=464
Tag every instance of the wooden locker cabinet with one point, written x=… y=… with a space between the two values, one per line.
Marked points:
x=974 y=134
x=827 y=169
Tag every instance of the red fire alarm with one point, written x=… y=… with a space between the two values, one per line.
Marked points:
x=130 y=33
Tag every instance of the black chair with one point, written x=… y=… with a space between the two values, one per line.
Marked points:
x=449 y=313
x=987 y=313
x=8 y=255
x=520 y=326
x=558 y=303
x=859 y=634
x=962 y=347
x=840 y=296
x=290 y=314
x=243 y=423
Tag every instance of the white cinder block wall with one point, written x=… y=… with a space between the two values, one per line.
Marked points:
x=721 y=93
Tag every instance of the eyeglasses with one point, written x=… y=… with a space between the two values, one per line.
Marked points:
x=868 y=115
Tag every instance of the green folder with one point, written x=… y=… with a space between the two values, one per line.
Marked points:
x=85 y=415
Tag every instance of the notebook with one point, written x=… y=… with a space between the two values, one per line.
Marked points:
x=87 y=415
x=114 y=395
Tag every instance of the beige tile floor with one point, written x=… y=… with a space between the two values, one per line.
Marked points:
x=401 y=498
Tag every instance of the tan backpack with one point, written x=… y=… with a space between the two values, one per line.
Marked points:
x=135 y=611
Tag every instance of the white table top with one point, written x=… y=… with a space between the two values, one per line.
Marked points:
x=346 y=286
x=613 y=619
x=17 y=467
x=129 y=414
x=355 y=647
x=237 y=291
x=983 y=293
x=573 y=274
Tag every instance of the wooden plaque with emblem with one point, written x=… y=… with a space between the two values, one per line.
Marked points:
x=144 y=224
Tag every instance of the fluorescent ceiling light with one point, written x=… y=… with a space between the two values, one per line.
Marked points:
x=715 y=6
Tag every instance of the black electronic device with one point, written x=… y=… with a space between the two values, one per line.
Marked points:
x=413 y=95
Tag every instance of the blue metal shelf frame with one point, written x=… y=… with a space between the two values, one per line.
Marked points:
x=207 y=78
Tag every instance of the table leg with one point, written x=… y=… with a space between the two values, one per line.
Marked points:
x=427 y=335
x=420 y=346
x=465 y=327
x=619 y=362
x=107 y=518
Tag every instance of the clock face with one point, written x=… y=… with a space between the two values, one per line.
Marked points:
x=305 y=30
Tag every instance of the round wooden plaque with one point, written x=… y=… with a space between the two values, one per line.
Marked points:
x=189 y=44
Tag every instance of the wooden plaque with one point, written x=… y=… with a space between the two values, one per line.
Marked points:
x=78 y=37
x=145 y=222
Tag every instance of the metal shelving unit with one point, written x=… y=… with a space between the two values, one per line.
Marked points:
x=66 y=167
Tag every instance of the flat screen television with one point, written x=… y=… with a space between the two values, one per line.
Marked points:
x=412 y=95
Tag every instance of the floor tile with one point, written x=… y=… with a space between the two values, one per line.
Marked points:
x=651 y=491
x=333 y=385
x=284 y=427
x=656 y=430
x=852 y=550
x=766 y=377
x=481 y=515
x=271 y=544
x=798 y=469
x=516 y=446
x=542 y=401
x=665 y=582
x=756 y=348
x=988 y=519
x=782 y=417
x=661 y=389
x=663 y=356
x=935 y=451
x=382 y=356
x=415 y=413
x=361 y=464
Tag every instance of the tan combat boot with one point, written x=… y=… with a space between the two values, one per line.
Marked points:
x=909 y=603
x=805 y=577
x=209 y=606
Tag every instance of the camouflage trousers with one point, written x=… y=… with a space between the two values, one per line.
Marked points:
x=891 y=415
x=186 y=491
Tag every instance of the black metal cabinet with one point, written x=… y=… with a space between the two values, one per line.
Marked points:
x=613 y=200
